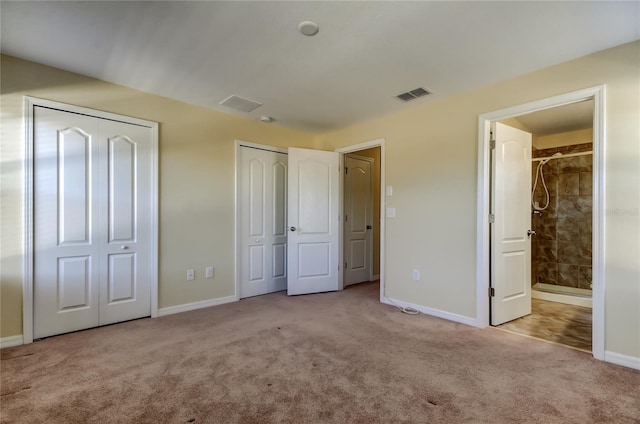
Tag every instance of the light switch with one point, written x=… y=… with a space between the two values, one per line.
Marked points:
x=389 y=191
x=391 y=212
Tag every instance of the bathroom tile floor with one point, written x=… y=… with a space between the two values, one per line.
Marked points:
x=555 y=322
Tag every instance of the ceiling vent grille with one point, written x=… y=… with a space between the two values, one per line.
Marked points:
x=240 y=103
x=413 y=94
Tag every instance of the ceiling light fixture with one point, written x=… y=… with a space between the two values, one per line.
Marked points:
x=308 y=28
x=266 y=119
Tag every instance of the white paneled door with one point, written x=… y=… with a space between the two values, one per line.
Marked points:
x=510 y=232
x=262 y=200
x=358 y=219
x=92 y=221
x=313 y=213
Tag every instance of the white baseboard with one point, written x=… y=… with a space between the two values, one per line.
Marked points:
x=170 y=310
x=562 y=298
x=433 y=312
x=11 y=341
x=620 y=359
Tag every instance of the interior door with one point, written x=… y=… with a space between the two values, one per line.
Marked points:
x=510 y=238
x=126 y=231
x=262 y=191
x=358 y=217
x=92 y=221
x=66 y=222
x=313 y=215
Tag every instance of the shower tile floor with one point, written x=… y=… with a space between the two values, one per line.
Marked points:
x=555 y=322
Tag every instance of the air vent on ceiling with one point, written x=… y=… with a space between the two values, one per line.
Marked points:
x=240 y=103
x=413 y=94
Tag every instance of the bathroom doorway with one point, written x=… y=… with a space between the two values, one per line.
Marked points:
x=561 y=201
x=565 y=231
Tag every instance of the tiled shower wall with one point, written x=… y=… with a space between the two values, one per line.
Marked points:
x=561 y=248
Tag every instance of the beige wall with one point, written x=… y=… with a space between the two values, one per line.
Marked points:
x=374 y=154
x=431 y=162
x=196 y=179
x=563 y=139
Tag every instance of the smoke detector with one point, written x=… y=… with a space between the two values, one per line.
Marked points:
x=308 y=28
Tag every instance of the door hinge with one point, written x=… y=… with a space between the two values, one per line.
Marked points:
x=492 y=144
x=346 y=170
x=492 y=218
x=492 y=292
x=346 y=218
x=346 y=265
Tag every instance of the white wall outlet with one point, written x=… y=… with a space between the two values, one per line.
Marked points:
x=416 y=275
x=208 y=272
x=191 y=274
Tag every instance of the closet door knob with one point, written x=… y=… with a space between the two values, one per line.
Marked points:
x=292 y=228
x=531 y=233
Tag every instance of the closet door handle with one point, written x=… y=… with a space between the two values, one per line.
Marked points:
x=531 y=233
x=292 y=228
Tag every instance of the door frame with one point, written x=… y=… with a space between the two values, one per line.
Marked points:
x=371 y=183
x=354 y=148
x=597 y=94
x=236 y=195
x=28 y=201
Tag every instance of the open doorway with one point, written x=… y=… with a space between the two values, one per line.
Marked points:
x=561 y=200
x=374 y=153
x=575 y=156
x=361 y=216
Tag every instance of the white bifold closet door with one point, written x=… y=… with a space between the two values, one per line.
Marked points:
x=92 y=221
x=262 y=200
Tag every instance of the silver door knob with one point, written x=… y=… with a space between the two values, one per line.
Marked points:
x=292 y=228
x=531 y=233
x=123 y=247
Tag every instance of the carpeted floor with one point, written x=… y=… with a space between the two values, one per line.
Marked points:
x=327 y=358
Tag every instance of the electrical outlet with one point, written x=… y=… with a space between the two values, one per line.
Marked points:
x=191 y=274
x=208 y=272
x=416 y=275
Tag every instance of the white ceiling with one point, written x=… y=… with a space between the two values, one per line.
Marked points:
x=364 y=55
x=571 y=117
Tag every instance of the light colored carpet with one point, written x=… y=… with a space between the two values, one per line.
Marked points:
x=327 y=358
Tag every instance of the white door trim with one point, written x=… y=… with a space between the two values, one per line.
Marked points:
x=484 y=181
x=27 y=251
x=236 y=259
x=380 y=142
